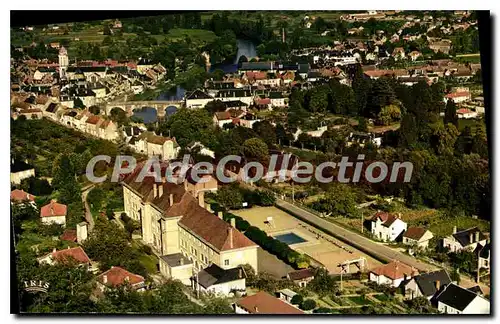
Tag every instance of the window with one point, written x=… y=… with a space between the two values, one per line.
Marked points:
x=226 y=262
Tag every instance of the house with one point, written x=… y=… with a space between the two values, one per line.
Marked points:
x=107 y=130
x=484 y=260
x=201 y=149
x=117 y=276
x=222 y=118
x=197 y=99
x=464 y=240
x=426 y=284
x=263 y=303
x=174 y=220
x=69 y=235
x=218 y=281
x=443 y=46
x=243 y=95
x=20 y=170
x=417 y=237
x=464 y=113
x=301 y=277
x=20 y=197
x=457 y=300
x=207 y=183
x=264 y=103
x=248 y=120
x=277 y=99
x=286 y=295
x=398 y=53
x=458 y=97
x=165 y=148
x=54 y=213
x=392 y=274
x=414 y=55
x=69 y=255
x=387 y=227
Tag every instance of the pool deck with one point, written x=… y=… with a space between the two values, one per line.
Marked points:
x=322 y=247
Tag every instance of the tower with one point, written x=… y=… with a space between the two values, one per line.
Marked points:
x=63 y=62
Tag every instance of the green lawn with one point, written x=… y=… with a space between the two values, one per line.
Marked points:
x=196 y=35
x=381 y=297
x=359 y=300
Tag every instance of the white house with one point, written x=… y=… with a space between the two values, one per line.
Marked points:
x=54 y=213
x=197 y=99
x=417 y=237
x=457 y=300
x=392 y=274
x=117 y=276
x=458 y=97
x=387 y=227
x=19 y=171
x=464 y=113
x=218 y=281
x=467 y=239
x=485 y=257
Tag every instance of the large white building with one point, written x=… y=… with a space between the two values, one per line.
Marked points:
x=187 y=236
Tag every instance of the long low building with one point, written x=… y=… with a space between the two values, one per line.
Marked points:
x=186 y=236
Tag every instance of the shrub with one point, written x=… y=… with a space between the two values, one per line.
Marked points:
x=308 y=304
x=297 y=299
x=323 y=310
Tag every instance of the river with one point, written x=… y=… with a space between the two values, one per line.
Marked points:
x=245 y=47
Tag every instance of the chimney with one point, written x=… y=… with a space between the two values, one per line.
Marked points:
x=127 y=278
x=477 y=236
x=220 y=215
x=255 y=309
x=54 y=250
x=471 y=238
x=160 y=190
x=240 y=273
x=201 y=199
x=155 y=190
x=105 y=279
x=230 y=234
x=454 y=229
x=233 y=222
x=181 y=261
x=171 y=199
x=438 y=285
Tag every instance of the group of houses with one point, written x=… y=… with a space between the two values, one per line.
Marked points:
x=436 y=286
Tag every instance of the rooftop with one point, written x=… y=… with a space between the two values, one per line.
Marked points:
x=263 y=303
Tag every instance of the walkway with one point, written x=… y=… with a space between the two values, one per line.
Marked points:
x=88 y=214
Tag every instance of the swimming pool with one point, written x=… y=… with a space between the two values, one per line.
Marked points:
x=290 y=238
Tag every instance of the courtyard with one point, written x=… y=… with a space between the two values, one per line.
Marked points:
x=321 y=247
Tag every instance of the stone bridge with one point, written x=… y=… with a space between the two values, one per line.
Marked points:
x=130 y=106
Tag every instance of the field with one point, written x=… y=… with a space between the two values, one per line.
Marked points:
x=321 y=247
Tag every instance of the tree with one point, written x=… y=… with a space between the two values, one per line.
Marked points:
x=255 y=149
x=230 y=196
x=189 y=125
x=266 y=131
x=119 y=116
x=215 y=106
x=297 y=299
x=308 y=304
x=78 y=103
x=389 y=114
x=323 y=284
x=339 y=200
x=450 y=115
x=65 y=180
x=95 y=110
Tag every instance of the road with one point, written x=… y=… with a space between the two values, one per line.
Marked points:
x=88 y=214
x=377 y=250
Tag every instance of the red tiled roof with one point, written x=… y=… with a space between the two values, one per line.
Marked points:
x=464 y=111
x=20 y=195
x=256 y=75
x=223 y=115
x=301 y=274
x=69 y=235
x=394 y=270
x=93 y=120
x=458 y=94
x=53 y=209
x=69 y=254
x=263 y=303
x=117 y=276
x=265 y=101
